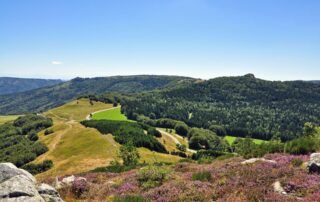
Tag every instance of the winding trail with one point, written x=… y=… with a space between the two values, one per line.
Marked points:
x=175 y=140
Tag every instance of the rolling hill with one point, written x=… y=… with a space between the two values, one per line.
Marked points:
x=243 y=105
x=74 y=148
x=41 y=99
x=10 y=85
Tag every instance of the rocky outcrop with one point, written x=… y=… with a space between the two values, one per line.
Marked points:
x=314 y=163
x=253 y=160
x=69 y=181
x=19 y=185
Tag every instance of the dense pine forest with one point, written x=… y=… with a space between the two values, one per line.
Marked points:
x=242 y=106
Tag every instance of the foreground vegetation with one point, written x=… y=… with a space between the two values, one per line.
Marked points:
x=221 y=180
x=19 y=140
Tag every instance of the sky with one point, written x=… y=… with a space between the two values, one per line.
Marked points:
x=273 y=39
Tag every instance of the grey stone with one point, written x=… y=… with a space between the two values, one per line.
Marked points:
x=314 y=163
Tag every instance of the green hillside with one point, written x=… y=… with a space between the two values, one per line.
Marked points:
x=15 y=85
x=42 y=99
x=242 y=105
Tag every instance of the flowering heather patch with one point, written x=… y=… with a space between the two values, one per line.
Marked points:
x=230 y=181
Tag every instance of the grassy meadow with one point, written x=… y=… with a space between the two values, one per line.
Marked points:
x=110 y=114
x=231 y=139
x=4 y=119
x=74 y=148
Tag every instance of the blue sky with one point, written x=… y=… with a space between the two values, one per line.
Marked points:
x=274 y=39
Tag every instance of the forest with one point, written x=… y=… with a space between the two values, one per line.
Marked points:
x=241 y=106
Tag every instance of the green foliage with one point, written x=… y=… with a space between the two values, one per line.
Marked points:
x=309 y=129
x=152 y=176
x=154 y=132
x=181 y=147
x=202 y=176
x=115 y=168
x=41 y=99
x=126 y=132
x=244 y=106
x=207 y=154
x=129 y=155
x=219 y=130
x=205 y=139
x=302 y=145
x=48 y=131
x=18 y=140
x=181 y=129
x=130 y=198
x=38 y=168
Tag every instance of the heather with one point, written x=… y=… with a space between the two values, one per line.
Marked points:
x=220 y=180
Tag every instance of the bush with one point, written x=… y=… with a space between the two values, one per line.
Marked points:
x=129 y=155
x=303 y=145
x=181 y=147
x=130 y=198
x=179 y=153
x=296 y=162
x=154 y=132
x=207 y=153
x=202 y=176
x=219 y=130
x=152 y=176
x=48 y=131
x=38 y=168
x=181 y=129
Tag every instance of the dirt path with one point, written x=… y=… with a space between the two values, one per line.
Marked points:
x=175 y=140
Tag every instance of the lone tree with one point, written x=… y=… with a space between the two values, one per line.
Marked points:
x=129 y=154
x=181 y=129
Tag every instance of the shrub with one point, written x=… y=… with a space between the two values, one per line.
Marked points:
x=179 y=153
x=154 y=132
x=38 y=168
x=207 y=153
x=129 y=155
x=303 y=145
x=181 y=129
x=152 y=176
x=202 y=176
x=130 y=198
x=205 y=160
x=48 y=131
x=296 y=162
x=219 y=130
x=181 y=147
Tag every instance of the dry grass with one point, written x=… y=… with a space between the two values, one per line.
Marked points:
x=4 y=119
x=75 y=149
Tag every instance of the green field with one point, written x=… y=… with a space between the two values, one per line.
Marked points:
x=4 y=119
x=231 y=139
x=111 y=114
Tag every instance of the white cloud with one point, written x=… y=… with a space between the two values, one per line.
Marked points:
x=56 y=62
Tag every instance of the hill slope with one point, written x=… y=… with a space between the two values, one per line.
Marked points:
x=74 y=148
x=49 y=97
x=10 y=85
x=243 y=105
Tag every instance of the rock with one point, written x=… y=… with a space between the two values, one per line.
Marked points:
x=49 y=193
x=278 y=188
x=19 y=185
x=253 y=160
x=68 y=181
x=314 y=163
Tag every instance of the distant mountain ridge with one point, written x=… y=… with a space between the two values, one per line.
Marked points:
x=44 y=98
x=10 y=85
